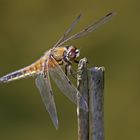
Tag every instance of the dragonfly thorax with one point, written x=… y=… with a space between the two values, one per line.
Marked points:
x=71 y=53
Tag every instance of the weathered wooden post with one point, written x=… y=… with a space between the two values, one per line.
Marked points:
x=82 y=85
x=90 y=83
x=96 y=103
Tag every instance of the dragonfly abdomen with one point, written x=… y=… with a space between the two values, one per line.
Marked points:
x=11 y=76
x=22 y=73
x=16 y=75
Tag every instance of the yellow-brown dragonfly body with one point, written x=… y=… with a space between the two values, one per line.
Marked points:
x=50 y=64
x=34 y=68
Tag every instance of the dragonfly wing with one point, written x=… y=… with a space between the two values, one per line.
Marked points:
x=44 y=86
x=72 y=25
x=67 y=31
x=65 y=85
x=89 y=28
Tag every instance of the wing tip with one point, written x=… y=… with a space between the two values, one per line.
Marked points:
x=85 y=107
x=83 y=104
x=56 y=124
x=110 y=14
x=79 y=16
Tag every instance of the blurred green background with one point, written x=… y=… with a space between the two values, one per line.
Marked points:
x=30 y=27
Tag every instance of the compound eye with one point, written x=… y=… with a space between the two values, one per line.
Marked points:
x=72 y=54
x=77 y=52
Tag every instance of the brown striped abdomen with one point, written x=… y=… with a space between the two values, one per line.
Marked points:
x=24 y=72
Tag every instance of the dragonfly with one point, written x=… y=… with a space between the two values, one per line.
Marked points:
x=50 y=65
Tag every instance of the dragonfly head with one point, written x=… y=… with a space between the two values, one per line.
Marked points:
x=72 y=52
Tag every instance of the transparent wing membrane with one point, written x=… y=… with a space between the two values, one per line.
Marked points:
x=44 y=86
x=89 y=28
x=65 y=85
x=67 y=31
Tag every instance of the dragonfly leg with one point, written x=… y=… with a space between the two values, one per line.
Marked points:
x=66 y=70
x=69 y=70
x=76 y=61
